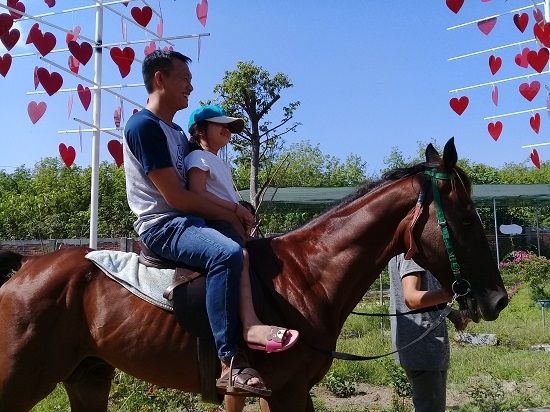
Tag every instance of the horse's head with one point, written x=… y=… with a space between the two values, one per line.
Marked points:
x=448 y=238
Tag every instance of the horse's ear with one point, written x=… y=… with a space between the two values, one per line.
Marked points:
x=450 y=157
x=431 y=154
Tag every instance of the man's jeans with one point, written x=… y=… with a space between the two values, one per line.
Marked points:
x=186 y=239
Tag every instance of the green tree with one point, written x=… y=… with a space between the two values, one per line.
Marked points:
x=304 y=165
x=249 y=92
x=51 y=201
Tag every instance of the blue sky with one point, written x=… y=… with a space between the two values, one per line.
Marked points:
x=370 y=75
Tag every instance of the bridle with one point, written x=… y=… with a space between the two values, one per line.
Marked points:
x=460 y=286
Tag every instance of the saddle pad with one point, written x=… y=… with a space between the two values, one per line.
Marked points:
x=145 y=282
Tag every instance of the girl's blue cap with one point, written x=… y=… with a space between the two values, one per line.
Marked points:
x=216 y=114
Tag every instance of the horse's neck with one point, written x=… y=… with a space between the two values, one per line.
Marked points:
x=335 y=258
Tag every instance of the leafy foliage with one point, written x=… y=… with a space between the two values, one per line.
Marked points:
x=52 y=201
x=342 y=386
x=530 y=269
x=250 y=93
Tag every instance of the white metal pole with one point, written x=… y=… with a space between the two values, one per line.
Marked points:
x=496 y=229
x=97 y=123
x=538 y=233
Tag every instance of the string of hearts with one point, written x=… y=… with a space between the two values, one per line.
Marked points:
x=537 y=59
x=80 y=54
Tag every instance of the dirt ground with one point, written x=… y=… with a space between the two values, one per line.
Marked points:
x=370 y=397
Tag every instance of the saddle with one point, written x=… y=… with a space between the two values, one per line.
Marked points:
x=188 y=294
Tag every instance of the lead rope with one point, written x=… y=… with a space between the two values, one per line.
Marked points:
x=348 y=356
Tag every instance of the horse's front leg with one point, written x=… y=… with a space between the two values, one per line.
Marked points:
x=291 y=400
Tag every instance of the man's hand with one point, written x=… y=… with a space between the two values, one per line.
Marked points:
x=459 y=319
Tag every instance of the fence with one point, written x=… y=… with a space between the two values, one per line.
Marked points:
x=38 y=247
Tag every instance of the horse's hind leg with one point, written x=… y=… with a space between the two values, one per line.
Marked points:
x=89 y=384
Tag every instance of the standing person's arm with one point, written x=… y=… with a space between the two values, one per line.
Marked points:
x=415 y=298
x=418 y=299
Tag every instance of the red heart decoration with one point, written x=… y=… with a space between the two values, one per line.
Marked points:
x=538 y=60
x=32 y=32
x=36 y=81
x=168 y=48
x=521 y=21
x=529 y=91
x=142 y=16
x=521 y=58
x=487 y=25
x=455 y=5
x=72 y=35
x=51 y=82
x=534 y=121
x=495 y=129
x=535 y=158
x=44 y=43
x=85 y=96
x=83 y=52
x=6 y=21
x=459 y=105
x=135 y=111
x=74 y=64
x=14 y=4
x=202 y=12
x=123 y=59
x=50 y=3
x=115 y=148
x=10 y=39
x=494 y=64
x=117 y=116
x=542 y=32
x=36 y=111
x=537 y=14
x=125 y=3
x=150 y=48
x=68 y=154
x=5 y=64
x=494 y=95
x=160 y=28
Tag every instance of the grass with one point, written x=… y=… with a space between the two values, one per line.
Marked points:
x=506 y=377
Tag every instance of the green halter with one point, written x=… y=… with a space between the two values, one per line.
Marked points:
x=434 y=176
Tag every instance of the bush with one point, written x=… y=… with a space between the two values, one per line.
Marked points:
x=527 y=267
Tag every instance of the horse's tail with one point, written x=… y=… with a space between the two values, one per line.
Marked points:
x=9 y=262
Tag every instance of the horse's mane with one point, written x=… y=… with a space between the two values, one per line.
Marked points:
x=389 y=176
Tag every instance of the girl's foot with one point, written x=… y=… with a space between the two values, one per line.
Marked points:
x=270 y=338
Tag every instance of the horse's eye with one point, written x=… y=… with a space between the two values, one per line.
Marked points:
x=467 y=223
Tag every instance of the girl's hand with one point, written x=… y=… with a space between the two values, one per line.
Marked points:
x=246 y=218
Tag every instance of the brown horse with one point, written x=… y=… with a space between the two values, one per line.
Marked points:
x=63 y=320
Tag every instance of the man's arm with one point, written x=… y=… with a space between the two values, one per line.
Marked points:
x=168 y=184
x=418 y=299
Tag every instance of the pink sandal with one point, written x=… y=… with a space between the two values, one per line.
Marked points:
x=280 y=339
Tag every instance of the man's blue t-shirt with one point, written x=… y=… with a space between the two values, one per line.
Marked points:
x=149 y=144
